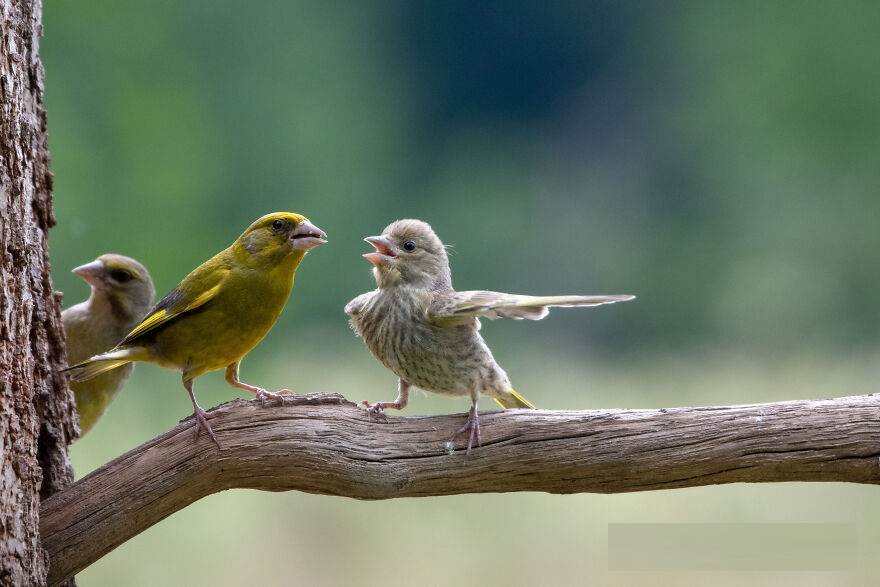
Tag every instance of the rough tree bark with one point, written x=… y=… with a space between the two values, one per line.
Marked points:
x=325 y=444
x=36 y=409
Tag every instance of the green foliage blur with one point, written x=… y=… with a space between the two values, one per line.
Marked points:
x=717 y=159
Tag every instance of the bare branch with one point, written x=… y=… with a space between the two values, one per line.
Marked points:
x=324 y=444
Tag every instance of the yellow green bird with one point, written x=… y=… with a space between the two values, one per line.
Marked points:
x=220 y=311
x=427 y=333
x=121 y=294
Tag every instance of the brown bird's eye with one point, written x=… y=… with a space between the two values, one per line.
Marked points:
x=121 y=275
x=409 y=246
x=278 y=225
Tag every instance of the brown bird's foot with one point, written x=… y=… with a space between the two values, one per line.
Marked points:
x=202 y=418
x=378 y=408
x=472 y=427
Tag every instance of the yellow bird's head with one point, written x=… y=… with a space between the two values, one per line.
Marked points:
x=122 y=281
x=277 y=235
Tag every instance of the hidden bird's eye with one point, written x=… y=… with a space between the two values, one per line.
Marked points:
x=409 y=246
x=278 y=224
x=121 y=275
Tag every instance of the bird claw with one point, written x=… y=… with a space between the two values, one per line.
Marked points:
x=377 y=409
x=473 y=427
x=201 y=418
x=262 y=395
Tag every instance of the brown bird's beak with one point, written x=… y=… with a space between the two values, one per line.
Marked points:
x=91 y=272
x=383 y=255
x=307 y=236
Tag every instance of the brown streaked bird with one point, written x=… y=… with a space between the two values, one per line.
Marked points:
x=121 y=295
x=220 y=311
x=427 y=333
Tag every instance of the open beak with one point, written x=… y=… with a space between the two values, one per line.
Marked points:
x=383 y=255
x=91 y=272
x=307 y=236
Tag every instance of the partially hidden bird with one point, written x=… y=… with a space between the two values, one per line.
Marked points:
x=121 y=295
x=220 y=311
x=427 y=333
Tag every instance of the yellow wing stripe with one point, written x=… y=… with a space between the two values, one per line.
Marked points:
x=162 y=316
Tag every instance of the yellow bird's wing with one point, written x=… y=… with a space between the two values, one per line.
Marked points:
x=463 y=306
x=181 y=299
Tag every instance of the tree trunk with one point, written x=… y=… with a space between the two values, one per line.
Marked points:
x=37 y=420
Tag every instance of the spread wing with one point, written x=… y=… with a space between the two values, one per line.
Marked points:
x=461 y=307
x=197 y=289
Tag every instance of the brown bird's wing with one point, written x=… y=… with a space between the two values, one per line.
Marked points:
x=463 y=306
x=180 y=300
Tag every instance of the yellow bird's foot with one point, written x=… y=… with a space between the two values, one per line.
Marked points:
x=472 y=427
x=262 y=395
x=202 y=418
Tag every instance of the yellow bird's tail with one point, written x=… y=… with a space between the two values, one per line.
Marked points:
x=104 y=362
x=514 y=400
x=93 y=368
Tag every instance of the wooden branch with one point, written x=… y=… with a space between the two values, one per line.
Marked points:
x=322 y=443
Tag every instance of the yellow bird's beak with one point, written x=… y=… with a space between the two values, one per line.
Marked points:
x=91 y=272
x=307 y=236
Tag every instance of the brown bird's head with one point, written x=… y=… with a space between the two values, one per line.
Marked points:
x=272 y=238
x=122 y=281
x=409 y=253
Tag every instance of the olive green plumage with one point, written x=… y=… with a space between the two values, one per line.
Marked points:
x=121 y=294
x=427 y=333
x=221 y=310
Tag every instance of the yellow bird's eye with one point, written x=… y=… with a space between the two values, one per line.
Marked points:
x=278 y=224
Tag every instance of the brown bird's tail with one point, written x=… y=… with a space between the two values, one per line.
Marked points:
x=514 y=400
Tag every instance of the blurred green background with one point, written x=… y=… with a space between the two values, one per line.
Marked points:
x=719 y=160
